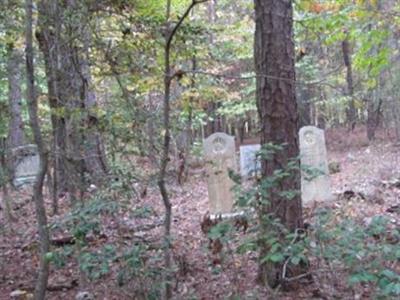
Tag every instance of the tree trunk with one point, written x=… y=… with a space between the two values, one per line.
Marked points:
x=16 y=135
x=50 y=47
x=373 y=117
x=305 y=106
x=73 y=102
x=395 y=105
x=168 y=77
x=210 y=126
x=214 y=124
x=95 y=159
x=4 y=181
x=276 y=102
x=41 y=283
x=351 y=111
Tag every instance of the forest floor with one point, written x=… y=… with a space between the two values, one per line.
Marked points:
x=368 y=169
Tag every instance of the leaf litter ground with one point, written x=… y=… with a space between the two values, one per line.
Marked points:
x=371 y=172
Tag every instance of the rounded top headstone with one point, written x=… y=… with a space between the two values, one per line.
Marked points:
x=309 y=134
x=218 y=143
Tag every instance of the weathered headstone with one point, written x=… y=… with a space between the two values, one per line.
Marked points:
x=26 y=164
x=249 y=163
x=315 y=181
x=219 y=154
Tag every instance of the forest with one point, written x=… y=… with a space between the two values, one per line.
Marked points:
x=199 y=149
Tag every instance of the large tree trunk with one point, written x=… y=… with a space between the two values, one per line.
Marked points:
x=50 y=47
x=16 y=135
x=277 y=108
x=71 y=95
x=95 y=159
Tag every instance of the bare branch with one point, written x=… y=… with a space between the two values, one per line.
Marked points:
x=181 y=19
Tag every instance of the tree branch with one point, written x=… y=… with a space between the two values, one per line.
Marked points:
x=181 y=19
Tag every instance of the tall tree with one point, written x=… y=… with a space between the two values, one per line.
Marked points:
x=43 y=274
x=276 y=100
x=169 y=75
x=64 y=39
x=16 y=135
x=48 y=38
x=351 y=110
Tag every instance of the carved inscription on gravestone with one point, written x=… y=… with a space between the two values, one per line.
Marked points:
x=249 y=164
x=219 y=153
x=315 y=181
x=26 y=164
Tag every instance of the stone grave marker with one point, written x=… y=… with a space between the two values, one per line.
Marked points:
x=219 y=154
x=26 y=164
x=249 y=164
x=313 y=156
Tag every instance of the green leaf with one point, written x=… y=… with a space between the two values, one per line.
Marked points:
x=276 y=257
x=295 y=260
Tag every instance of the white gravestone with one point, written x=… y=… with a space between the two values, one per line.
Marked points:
x=315 y=184
x=250 y=164
x=219 y=154
x=26 y=164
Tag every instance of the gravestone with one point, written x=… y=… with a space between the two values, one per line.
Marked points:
x=26 y=164
x=219 y=154
x=249 y=163
x=315 y=181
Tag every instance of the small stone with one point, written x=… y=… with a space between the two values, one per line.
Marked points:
x=357 y=296
x=334 y=167
x=84 y=296
x=92 y=188
x=19 y=294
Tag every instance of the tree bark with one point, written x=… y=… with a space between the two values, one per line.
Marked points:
x=395 y=105
x=276 y=102
x=4 y=181
x=64 y=38
x=41 y=283
x=95 y=159
x=373 y=118
x=16 y=135
x=50 y=47
x=305 y=106
x=351 y=111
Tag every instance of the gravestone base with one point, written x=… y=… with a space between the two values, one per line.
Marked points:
x=226 y=215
